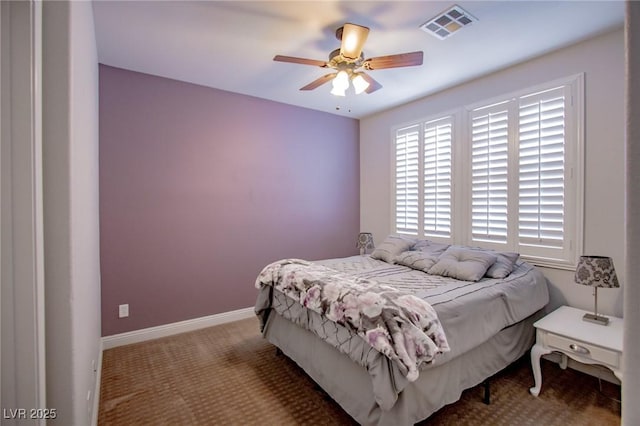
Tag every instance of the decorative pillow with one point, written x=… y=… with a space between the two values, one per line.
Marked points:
x=427 y=246
x=505 y=263
x=463 y=264
x=392 y=246
x=417 y=259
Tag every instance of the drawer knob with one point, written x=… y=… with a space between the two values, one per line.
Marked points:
x=579 y=349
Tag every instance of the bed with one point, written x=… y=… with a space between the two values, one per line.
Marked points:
x=473 y=327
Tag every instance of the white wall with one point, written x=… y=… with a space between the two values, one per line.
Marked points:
x=631 y=359
x=602 y=61
x=72 y=258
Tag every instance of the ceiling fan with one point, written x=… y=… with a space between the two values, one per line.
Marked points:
x=348 y=61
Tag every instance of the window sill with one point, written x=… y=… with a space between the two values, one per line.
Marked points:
x=550 y=263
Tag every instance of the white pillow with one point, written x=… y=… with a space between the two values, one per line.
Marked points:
x=463 y=264
x=392 y=246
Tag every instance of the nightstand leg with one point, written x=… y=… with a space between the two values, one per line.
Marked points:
x=564 y=361
x=536 y=352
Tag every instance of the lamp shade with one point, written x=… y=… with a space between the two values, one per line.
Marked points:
x=341 y=80
x=365 y=241
x=338 y=92
x=353 y=38
x=596 y=271
x=359 y=83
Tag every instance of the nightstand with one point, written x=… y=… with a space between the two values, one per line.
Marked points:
x=564 y=331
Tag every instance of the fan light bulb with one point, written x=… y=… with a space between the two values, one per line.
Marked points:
x=341 y=81
x=351 y=44
x=338 y=91
x=359 y=83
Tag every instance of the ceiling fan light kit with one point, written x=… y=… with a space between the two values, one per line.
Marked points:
x=349 y=59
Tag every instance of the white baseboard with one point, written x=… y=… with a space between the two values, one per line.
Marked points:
x=151 y=333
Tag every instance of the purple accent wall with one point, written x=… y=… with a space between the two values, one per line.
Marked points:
x=201 y=188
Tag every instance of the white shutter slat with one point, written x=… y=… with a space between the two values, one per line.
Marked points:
x=489 y=173
x=541 y=190
x=437 y=166
x=406 y=180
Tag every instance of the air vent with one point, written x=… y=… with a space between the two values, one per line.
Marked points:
x=448 y=23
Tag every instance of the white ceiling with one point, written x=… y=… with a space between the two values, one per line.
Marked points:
x=230 y=45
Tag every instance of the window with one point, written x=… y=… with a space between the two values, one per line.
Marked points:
x=514 y=175
x=423 y=167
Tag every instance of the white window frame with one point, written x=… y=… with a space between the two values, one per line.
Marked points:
x=567 y=257
x=461 y=231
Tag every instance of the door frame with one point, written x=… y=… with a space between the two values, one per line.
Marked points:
x=22 y=353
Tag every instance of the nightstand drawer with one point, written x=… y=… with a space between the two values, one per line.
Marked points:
x=585 y=350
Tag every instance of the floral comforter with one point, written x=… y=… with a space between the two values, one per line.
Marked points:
x=403 y=327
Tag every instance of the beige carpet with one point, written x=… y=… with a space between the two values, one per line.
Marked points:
x=229 y=375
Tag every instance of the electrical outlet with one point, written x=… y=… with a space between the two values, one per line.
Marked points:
x=123 y=311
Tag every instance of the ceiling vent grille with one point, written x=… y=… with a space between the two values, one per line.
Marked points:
x=448 y=23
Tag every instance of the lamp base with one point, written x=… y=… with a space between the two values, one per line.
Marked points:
x=596 y=319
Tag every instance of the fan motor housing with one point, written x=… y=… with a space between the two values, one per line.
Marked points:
x=337 y=61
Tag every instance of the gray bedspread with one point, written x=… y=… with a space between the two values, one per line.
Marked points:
x=396 y=323
x=470 y=313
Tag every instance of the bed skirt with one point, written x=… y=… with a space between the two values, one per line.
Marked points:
x=350 y=384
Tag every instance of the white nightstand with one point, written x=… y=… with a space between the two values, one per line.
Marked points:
x=564 y=331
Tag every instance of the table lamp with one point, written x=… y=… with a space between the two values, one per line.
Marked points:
x=365 y=242
x=596 y=271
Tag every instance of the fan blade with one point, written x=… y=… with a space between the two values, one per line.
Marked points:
x=302 y=61
x=318 y=82
x=393 y=61
x=353 y=37
x=373 y=85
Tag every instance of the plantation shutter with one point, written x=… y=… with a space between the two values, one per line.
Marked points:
x=407 y=180
x=541 y=186
x=489 y=169
x=437 y=177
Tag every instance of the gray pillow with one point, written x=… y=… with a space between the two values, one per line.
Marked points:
x=430 y=247
x=392 y=246
x=463 y=264
x=505 y=263
x=417 y=259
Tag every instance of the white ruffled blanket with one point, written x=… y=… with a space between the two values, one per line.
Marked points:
x=403 y=327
